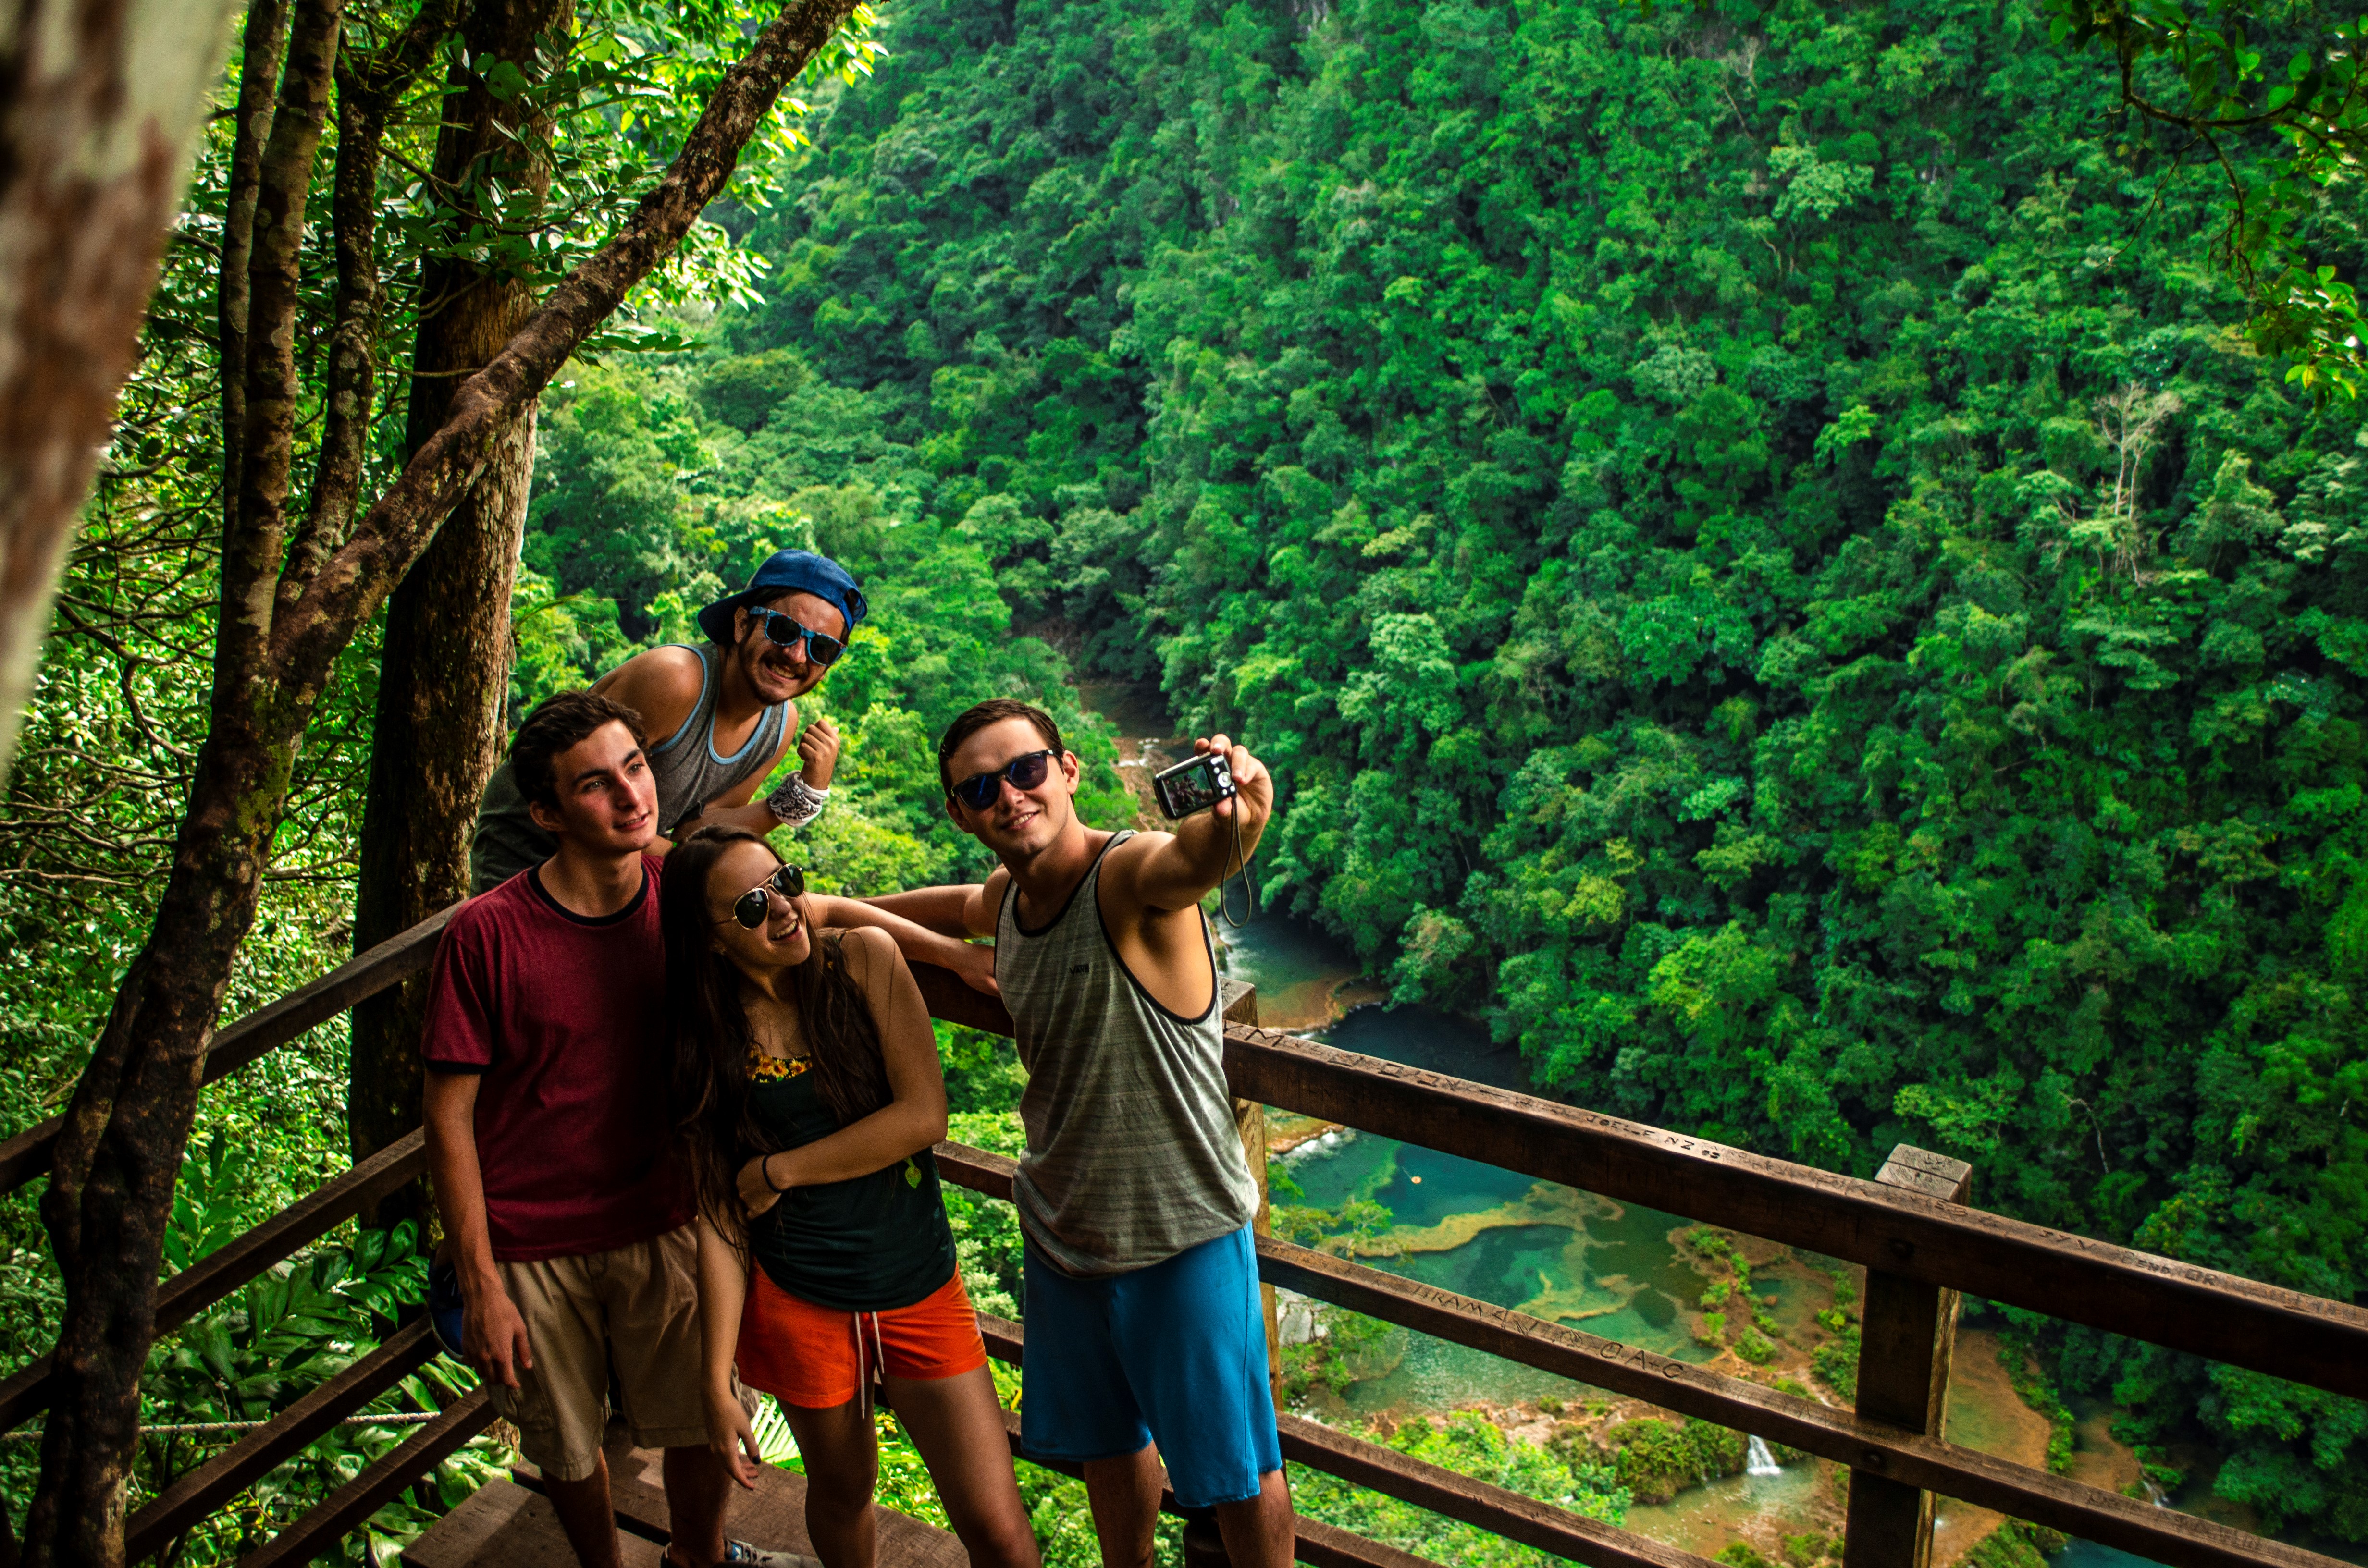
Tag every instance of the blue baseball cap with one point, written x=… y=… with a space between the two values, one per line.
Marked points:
x=788 y=572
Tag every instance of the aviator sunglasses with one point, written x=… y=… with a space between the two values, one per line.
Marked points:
x=751 y=907
x=786 y=632
x=978 y=791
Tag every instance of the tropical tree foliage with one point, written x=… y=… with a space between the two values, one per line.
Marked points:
x=296 y=585
x=1773 y=563
x=2288 y=76
x=1758 y=537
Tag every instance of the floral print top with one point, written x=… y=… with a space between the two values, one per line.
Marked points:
x=766 y=1069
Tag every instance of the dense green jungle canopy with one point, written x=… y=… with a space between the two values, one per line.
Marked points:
x=1753 y=537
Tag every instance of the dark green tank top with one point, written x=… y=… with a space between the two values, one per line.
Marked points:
x=872 y=1244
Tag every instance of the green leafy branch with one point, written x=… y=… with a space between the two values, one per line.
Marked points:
x=2225 y=85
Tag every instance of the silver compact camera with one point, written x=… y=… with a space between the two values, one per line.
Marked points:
x=1193 y=786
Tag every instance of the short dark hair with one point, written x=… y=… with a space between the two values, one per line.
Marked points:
x=993 y=710
x=559 y=721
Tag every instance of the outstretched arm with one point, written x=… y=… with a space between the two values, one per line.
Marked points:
x=957 y=909
x=918 y=943
x=1176 y=871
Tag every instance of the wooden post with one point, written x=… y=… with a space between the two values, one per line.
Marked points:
x=1240 y=1001
x=1908 y=1334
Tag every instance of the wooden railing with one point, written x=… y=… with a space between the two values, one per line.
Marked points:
x=1919 y=1243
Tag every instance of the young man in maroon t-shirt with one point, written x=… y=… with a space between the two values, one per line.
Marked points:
x=568 y=1215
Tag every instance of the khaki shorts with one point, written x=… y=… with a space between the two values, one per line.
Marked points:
x=633 y=1309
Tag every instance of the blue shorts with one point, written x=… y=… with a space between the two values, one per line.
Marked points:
x=1175 y=1353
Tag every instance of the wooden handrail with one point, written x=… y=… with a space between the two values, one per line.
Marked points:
x=1426 y=1485
x=1916 y=1236
x=2178 y=1539
x=1930 y=1463
x=343 y=1511
x=1908 y=1348
x=194 y=1496
x=1318 y=1544
x=227 y=1267
x=2185 y=1306
x=266 y=1030
x=1494 y=1508
x=1329 y=1546
x=2222 y=1316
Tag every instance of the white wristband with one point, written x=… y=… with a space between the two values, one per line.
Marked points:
x=796 y=803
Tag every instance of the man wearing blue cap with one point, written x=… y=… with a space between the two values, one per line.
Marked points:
x=726 y=710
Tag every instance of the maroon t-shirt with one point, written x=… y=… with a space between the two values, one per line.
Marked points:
x=564 y=1016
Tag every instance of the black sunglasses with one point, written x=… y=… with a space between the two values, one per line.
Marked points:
x=785 y=631
x=751 y=907
x=978 y=791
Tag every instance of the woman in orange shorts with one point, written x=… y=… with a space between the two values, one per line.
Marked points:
x=807 y=1085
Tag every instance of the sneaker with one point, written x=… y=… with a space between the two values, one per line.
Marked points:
x=741 y=1554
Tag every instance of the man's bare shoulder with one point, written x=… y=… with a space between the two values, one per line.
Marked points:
x=1122 y=863
x=1146 y=842
x=658 y=683
x=991 y=894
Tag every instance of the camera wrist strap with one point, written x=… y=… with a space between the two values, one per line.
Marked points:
x=1250 y=889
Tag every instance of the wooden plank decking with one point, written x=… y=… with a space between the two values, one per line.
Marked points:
x=503 y=1522
x=511 y=1523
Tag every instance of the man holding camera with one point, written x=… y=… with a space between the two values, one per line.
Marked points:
x=721 y=716
x=1146 y=1339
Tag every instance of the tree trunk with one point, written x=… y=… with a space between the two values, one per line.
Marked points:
x=262 y=47
x=100 y=104
x=110 y=1190
x=285 y=620
x=444 y=671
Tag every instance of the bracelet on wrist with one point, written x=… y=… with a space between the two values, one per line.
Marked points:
x=765 y=1169
x=796 y=803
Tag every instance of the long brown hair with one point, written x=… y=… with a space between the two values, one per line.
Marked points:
x=710 y=1037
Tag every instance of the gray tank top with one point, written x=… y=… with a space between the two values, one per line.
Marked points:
x=688 y=771
x=1133 y=1156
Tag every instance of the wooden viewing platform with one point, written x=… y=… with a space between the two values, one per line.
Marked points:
x=511 y=1523
x=1912 y=1228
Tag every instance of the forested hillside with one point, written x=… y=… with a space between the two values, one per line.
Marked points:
x=1753 y=535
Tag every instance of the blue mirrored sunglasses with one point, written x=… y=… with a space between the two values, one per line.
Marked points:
x=786 y=632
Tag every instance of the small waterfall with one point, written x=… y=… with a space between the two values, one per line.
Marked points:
x=1760 y=1462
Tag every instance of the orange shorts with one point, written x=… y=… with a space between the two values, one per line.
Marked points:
x=818 y=1357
